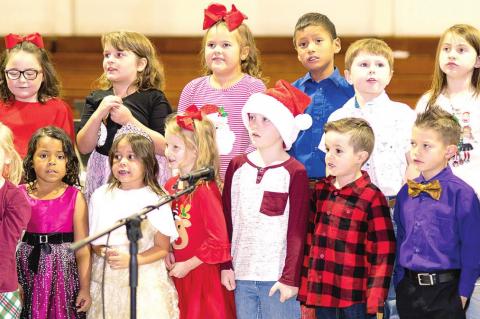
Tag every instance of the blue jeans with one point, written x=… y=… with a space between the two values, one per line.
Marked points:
x=252 y=302
x=390 y=310
x=473 y=310
x=357 y=311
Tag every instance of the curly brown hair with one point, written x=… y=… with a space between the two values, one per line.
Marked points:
x=50 y=86
x=72 y=167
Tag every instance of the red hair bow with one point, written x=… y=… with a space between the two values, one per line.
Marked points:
x=186 y=121
x=12 y=40
x=218 y=12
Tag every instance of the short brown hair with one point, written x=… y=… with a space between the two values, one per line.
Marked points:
x=442 y=122
x=361 y=133
x=370 y=46
x=315 y=19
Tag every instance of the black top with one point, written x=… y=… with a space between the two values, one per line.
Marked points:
x=149 y=107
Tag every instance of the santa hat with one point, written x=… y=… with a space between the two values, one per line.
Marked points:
x=283 y=105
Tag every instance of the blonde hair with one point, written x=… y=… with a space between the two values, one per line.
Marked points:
x=439 y=80
x=442 y=122
x=370 y=46
x=202 y=139
x=153 y=76
x=13 y=170
x=251 y=65
x=361 y=133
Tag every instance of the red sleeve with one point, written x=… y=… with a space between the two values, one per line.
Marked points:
x=16 y=212
x=380 y=250
x=297 y=227
x=64 y=118
x=227 y=207
x=216 y=248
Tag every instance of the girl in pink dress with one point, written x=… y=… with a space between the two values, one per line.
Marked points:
x=54 y=287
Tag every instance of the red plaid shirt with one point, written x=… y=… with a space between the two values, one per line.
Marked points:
x=350 y=247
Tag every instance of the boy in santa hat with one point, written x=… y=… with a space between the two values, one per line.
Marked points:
x=265 y=199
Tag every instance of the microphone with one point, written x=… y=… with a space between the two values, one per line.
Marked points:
x=206 y=173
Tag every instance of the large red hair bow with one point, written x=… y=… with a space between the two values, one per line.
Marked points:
x=185 y=121
x=12 y=40
x=218 y=12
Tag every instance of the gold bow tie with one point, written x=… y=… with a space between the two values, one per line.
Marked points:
x=432 y=188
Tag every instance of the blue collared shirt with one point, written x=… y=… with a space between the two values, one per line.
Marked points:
x=327 y=96
x=442 y=234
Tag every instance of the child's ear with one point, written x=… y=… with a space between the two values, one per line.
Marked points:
x=337 y=45
x=347 y=76
x=362 y=157
x=451 y=151
x=477 y=63
x=244 y=53
x=141 y=64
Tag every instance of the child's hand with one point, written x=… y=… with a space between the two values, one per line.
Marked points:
x=21 y=294
x=286 y=291
x=107 y=104
x=83 y=301
x=228 y=279
x=120 y=114
x=170 y=260
x=180 y=269
x=117 y=259
x=464 y=301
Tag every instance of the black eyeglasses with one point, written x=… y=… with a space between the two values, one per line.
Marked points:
x=28 y=74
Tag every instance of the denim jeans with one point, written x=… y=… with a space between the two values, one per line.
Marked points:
x=252 y=302
x=390 y=311
x=473 y=310
x=357 y=311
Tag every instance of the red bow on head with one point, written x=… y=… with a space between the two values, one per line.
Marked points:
x=218 y=12
x=186 y=121
x=11 y=40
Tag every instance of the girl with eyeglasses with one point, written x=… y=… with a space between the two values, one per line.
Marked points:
x=29 y=90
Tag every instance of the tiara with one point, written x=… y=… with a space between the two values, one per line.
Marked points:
x=131 y=129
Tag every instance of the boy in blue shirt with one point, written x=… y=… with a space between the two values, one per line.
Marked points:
x=316 y=42
x=438 y=221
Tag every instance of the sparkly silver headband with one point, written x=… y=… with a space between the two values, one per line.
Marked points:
x=131 y=129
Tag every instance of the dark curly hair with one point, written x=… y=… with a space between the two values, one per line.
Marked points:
x=72 y=167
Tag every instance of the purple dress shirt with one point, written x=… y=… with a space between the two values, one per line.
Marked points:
x=439 y=235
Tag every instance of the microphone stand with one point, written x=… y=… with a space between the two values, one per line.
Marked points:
x=134 y=233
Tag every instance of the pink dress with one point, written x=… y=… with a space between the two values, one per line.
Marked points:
x=51 y=292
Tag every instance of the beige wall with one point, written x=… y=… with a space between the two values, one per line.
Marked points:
x=266 y=17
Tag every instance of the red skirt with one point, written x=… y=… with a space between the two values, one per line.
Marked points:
x=202 y=295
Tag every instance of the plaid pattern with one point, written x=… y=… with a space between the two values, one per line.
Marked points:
x=350 y=247
x=10 y=305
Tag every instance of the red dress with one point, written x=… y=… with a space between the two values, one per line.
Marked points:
x=202 y=233
x=24 y=118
